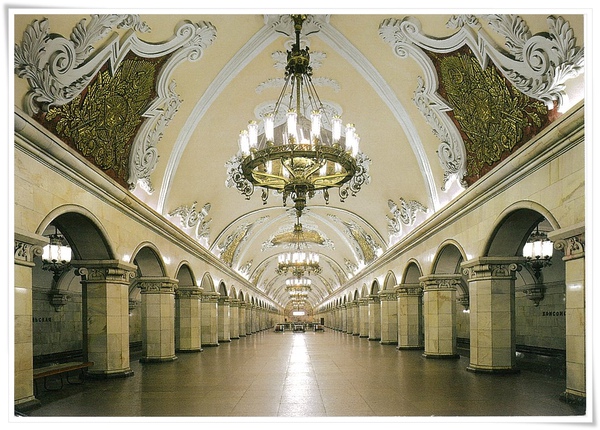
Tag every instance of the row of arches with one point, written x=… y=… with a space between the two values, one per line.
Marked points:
x=105 y=301
x=482 y=306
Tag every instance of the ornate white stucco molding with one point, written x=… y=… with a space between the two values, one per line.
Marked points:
x=59 y=69
x=189 y=217
x=405 y=214
x=538 y=65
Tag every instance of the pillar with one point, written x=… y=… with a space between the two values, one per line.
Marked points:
x=188 y=319
x=158 y=318
x=492 y=313
x=350 y=306
x=374 y=317
x=27 y=246
x=572 y=242
x=363 y=306
x=389 y=317
x=224 y=320
x=410 y=316
x=356 y=318
x=242 y=319
x=234 y=308
x=105 y=313
x=210 y=317
x=439 y=312
x=344 y=314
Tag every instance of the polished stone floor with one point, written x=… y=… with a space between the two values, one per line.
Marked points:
x=312 y=374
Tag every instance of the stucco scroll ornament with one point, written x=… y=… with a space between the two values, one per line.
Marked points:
x=26 y=251
x=58 y=69
x=189 y=217
x=572 y=247
x=405 y=214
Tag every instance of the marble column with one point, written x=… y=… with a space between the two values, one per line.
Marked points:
x=374 y=317
x=389 y=317
x=188 y=319
x=158 y=318
x=572 y=242
x=492 y=313
x=350 y=306
x=210 y=318
x=224 y=320
x=234 y=308
x=439 y=312
x=344 y=313
x=249 y=317
x=363 y=306
x=27 y=246
x=410 y=316
x=242 y=319
x=356 y=318
x=105 y=312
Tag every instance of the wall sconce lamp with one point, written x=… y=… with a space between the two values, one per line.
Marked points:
x=56 y=258
x=538 y=251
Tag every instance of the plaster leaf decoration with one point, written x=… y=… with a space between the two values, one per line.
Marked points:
x=245 y=269
x=537 y=65
x=228 y=248
x=256 y=275
x=405 y=214
x=341 y=276
x=70 y=78
x=451 y=152
x=350 y=266
x=190 y=218
x=365 y=247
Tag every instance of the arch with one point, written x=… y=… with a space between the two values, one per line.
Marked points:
x=222 y=289
x=207 y=283
x=356 y=295
x=513 y=227
x=448 y=258
x=364 y=292
x=147 y=259
x=185 y=275
x=375 y=287
x=412 y=272
x=83 y=231
x=232 y=293
x=390 y=281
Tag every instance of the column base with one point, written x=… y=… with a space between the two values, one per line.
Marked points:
x=355 y=334
x=242 y=335
x=157 y=359
x=189 y=350
x=235 y=337
x=441 y=356
x=374 y=339
x=407 y=347
x=224 y=340
x=573 y=399
x=388 y=342
x=363 y=336
x=113 y=375
x=498 y=371
x=27 y=404
x=210 y=344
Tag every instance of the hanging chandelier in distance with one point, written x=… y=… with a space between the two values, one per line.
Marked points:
x=299 y=156
x=299 y=261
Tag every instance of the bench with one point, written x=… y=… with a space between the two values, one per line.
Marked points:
x=60 y=369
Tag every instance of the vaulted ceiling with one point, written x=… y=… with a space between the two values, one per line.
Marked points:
x=388 y=74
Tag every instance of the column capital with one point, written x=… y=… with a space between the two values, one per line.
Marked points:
x=571 y=241
x=387 y=295
x=28 y=246
x=156 y=284
x=234 y=303
x=409 y=289
x=114 y=271
x=189 y=291
x=492 y=267
x=445 y=281
x=363 y=301
x=224 y=300
x=210 y=297
x=374 y=298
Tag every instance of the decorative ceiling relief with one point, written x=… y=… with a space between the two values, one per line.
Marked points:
x=532 y=69
x=365 y=247
x=120 y=91
x=190 y=218
x=228 y=248
x=405 y=214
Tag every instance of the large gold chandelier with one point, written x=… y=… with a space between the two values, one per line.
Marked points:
x=295 y=155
